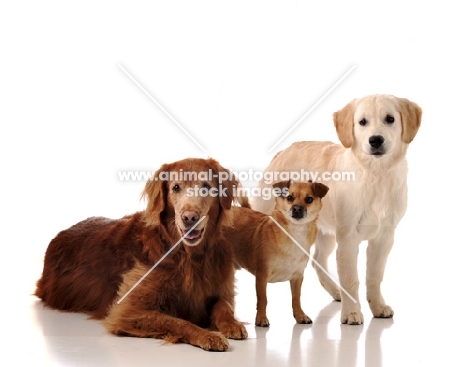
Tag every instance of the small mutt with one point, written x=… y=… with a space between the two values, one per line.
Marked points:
x=367 y=197
x=263 y=248
x=188 y=297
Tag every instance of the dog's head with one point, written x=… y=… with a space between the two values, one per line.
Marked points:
x=189 y=197
x=300 y=202
x=378 y=126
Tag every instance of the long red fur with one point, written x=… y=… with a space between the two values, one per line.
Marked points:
x=91 y=265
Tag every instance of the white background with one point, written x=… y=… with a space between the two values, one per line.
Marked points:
x=237 y=75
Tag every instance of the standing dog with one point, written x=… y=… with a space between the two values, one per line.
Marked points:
x=262 y=247
x=91 y=266
x=375 y=132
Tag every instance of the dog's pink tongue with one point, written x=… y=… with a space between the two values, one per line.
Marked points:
x=193 y=234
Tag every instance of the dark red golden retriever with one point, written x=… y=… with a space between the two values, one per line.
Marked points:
x=188 y=297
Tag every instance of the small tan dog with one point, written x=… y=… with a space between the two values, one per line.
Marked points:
x=265 y=250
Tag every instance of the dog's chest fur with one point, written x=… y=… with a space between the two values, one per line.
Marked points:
x=290 y=261
x=366 y=206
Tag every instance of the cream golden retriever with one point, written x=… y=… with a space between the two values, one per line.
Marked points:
x=375 y=132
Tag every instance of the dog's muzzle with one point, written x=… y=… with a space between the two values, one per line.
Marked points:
x=376 y=143
x=190 y=218
x=298 y=211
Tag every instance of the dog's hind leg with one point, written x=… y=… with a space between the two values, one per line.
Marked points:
x=324 y=246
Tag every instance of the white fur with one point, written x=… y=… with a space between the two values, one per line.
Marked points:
x=292 y=265
x=368 y=208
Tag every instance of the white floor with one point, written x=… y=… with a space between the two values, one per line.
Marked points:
x=428 y=328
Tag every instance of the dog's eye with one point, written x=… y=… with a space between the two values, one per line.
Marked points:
x=389 y=119
x=206 y=185
x=176 y=188
x=290 y=198
x=309 y=199
x=363 y=122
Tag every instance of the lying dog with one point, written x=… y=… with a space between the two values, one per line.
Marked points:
x=91 y=266
x=375 y=132
x=261 y=246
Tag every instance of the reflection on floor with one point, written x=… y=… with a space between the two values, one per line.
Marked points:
x=414 y=337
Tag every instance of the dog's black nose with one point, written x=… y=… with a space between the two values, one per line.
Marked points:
x=298 y=211
x=376 y=141
x=190 y=218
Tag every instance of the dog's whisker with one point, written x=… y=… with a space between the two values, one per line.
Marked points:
x=211 y=222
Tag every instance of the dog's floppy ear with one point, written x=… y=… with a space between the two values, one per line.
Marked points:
x=281 y=185
x=410 y=114
x=319 y=190
x=155 y=193
x=228 y=183
x=344 y=124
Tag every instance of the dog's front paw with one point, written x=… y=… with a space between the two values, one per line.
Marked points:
x=233 y=330
x=331 y=288
x=303 y=319
x=262 y=321
x=336 y=294
x=382 y=311
x=352 y=318
x=213 y=341
x=334 y=291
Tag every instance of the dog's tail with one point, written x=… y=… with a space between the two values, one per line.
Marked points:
x=244 y=201
x=242 y=198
